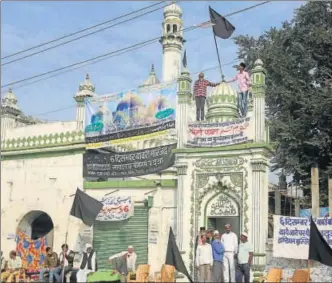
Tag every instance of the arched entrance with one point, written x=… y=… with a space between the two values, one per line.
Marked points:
x=36 y=224
x=223 y=209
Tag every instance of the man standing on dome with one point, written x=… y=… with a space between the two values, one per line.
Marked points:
x=200 y=88
x=244 y=82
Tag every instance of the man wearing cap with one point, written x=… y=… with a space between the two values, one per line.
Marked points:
x=88 y=264
x=204 y=260
x=231 y=248
x=244 y=259
x=131 y=259
x=218 y=257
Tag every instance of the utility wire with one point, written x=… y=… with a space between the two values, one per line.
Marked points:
x=85 y=35
x=79 y=31
x=124 y=49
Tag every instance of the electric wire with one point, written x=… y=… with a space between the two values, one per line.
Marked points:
x=80 y=31
x=126 y=48
x=83 y=36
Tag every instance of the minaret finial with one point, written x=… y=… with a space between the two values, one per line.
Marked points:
x=87 y=77
x=152 y=69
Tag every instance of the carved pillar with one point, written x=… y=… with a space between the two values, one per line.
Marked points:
x=181 y=173
x=259 y=216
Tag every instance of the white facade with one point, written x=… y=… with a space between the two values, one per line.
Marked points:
x=42 y=167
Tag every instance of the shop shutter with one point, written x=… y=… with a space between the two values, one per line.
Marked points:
x=112 y=237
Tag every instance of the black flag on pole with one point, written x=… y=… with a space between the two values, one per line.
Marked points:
x=319 y=249
x=173 y=256
x=85 y=207
x=184 y=60
x=222 y=27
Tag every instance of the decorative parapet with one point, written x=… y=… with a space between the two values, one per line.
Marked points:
x=43 y=141
x=181 y=168
x=259 y=165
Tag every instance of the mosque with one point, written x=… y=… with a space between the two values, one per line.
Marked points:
x=41 y=167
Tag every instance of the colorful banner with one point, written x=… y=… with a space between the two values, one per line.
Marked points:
x=130 y=113
x=128 y=164
x=291 y=235
x=323 y=212
x=116 y=209
x=31 y=252
x=218 y=134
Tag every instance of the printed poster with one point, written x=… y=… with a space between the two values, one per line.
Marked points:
x=116 y=209
x=291 y=235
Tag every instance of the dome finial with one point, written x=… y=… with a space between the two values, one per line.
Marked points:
x=152 y=69
x=87 y=77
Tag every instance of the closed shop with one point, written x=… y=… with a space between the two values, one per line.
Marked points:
x=112 y=237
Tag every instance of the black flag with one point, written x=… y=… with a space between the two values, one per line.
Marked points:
x=85 y=207
x=222 y=27
x=319 y=249
x=173 y=256
x=184 y=60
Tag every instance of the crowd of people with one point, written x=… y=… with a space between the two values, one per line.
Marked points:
x=220 y=258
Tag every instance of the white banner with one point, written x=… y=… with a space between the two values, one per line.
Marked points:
x=291 y=235
x=116 y=209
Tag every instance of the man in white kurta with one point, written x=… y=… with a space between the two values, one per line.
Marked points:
x=231 y=244
x=204 y=260
x=88 y=264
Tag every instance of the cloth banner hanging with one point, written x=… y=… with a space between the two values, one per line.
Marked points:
x=31 y=252
x=291 y=235
x=218 y=134
x=128 y=164
x=136 y=112
x=116 y=209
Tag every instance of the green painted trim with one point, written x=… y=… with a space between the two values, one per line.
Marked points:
x=53 y=152
x=129 y=184
x=225 y=148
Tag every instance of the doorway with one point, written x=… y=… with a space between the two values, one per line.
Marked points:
x=218 y=223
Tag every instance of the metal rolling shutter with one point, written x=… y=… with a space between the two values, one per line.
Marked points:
x=110 y=237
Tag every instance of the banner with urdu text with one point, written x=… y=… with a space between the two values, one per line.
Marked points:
x=218 y=134
x=116 y=208
x=291 y=235
x=141 y=112
x=128 y=164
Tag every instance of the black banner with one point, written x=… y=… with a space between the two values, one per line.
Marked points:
x=131 y=133
x=128 y=164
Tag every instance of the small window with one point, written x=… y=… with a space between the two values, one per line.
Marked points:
x=168 y=28
x=175 y=28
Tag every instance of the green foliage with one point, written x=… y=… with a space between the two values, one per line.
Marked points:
x=298 y=60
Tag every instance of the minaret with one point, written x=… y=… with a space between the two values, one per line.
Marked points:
x=258 y=96
x=85 y=90
x=9 y=112
x=172 y=42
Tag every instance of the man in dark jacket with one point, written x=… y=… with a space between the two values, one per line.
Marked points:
x=88 y=264
x=50 y=264
x=120 y=265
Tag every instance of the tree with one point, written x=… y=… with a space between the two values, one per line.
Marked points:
x=298 y=60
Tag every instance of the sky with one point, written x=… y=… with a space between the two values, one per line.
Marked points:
x=25 y=24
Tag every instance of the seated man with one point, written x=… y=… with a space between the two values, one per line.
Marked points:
x=14 y=268
x=50 y=264
x=66 y=262
x=88 y=264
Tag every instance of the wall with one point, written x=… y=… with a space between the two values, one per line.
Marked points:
x=318 y=272
x=40 y=184
x=161 y=216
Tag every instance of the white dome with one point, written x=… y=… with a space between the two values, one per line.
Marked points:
x=224 y=89
x=172 y=9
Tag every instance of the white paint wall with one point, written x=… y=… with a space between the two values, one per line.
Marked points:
x=40 y=184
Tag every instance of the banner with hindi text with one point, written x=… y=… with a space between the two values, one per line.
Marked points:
x=137 y=112
x=291 y=235
x=128 y=164
x=218 y=134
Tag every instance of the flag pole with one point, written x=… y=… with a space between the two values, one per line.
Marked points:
x=221 y=72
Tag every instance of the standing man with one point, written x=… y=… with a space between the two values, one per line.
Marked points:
x=244 y=259
x=120 y=265
x=244 y=82
x=66 y=260
x=218 y=257
x=14 y=268
x=209 y=236
x=88 y=264
x=200 y=88
x=50 y=264
x=131 y=259
x=231 y=248
x=204 y=260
